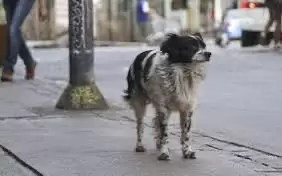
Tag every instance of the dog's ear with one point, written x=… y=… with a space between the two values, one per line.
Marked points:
x=197 y=34
x=200 y=39
x=167 y=44
x=171 y=36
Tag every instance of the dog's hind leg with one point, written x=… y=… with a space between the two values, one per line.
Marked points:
x=139 y=108
x=156 y=126
x=162 y=138
x=185 y=124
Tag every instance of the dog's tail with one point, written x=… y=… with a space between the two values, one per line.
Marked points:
x=130 y=85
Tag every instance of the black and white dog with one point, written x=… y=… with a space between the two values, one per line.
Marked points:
x=168 y=79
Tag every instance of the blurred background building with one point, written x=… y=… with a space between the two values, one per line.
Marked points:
x=115 y=20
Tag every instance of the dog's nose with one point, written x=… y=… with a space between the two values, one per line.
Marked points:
x=207 y=54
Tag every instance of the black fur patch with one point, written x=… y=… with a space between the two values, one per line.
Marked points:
x=130 y=84
x=137 y=71
x=148 y=66
x=137 y=67
x=200 y=39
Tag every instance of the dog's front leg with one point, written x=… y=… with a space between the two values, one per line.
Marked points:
x=186 y=123
x=162 y=117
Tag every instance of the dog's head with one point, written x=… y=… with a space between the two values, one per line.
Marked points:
x=185 y=49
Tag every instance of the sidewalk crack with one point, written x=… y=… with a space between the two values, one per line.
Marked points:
x=19 y=117
x=240 y=145
x=20 y=161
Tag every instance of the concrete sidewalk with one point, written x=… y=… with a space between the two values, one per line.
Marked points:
x=101 y=143
x=97 y=146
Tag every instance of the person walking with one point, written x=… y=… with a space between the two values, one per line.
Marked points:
x=275 y=12
x=142 y=15
x=16 y=12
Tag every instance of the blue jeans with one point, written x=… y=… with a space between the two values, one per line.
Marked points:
x=16 y=13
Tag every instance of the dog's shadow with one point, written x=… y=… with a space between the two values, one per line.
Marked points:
x=148 y=164
x=151 y=156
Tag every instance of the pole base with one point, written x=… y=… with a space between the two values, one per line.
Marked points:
x=86 y=97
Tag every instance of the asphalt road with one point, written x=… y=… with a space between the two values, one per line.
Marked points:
x=240 y=100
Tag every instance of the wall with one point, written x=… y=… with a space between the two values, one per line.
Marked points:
x=34 y=29
x=206 y=19
x=180 y=15
x=194 y=15
x=113 y=20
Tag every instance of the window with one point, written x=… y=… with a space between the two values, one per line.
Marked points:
x=179 y=4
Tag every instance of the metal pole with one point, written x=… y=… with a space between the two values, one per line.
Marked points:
x=134 y=22
x=82 y=92
x=110 y=15
x=131 y=16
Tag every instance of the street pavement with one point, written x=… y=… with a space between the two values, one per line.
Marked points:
x=237 y=127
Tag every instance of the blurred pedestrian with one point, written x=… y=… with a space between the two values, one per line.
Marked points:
x=16 y=12
x=142 y=9
x=275 y=12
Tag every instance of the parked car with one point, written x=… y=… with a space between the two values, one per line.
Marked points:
x=230 y=26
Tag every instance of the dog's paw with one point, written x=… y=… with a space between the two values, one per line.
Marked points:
x=140 y=149
x=164 y=154
x=164 y=157
x=189 y=155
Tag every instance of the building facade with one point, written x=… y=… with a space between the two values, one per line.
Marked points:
x=115 y=20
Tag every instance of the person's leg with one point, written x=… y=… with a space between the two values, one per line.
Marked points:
x=270 y=21
x=9 y=7
x=24 y=52
x=9 y=10
x=16 y=42
x=142 y=30
x=268 y=25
